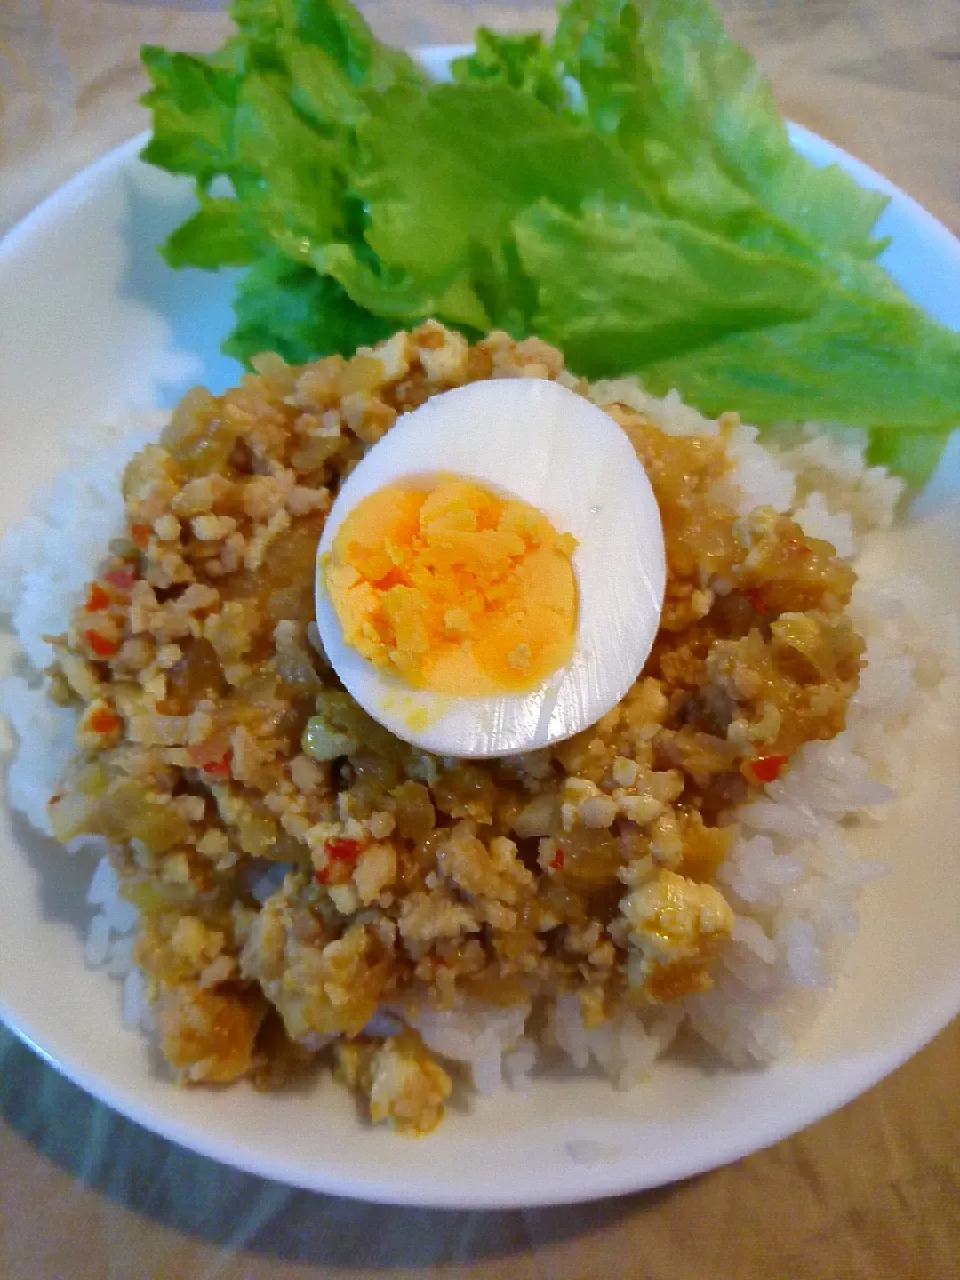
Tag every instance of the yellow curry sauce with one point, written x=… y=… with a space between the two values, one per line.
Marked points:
x=215 y=740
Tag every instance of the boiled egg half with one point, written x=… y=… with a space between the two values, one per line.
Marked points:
x=491 y=574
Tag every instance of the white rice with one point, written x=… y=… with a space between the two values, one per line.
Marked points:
x=489 y=1041
x=47 y=560
x=792 y=877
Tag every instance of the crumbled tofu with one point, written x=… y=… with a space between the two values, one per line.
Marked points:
x=675 y=927
x=407 y=1087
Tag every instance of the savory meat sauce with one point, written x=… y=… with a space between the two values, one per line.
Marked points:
x=215 y=741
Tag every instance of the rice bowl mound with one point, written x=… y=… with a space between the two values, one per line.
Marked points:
x=781 y=866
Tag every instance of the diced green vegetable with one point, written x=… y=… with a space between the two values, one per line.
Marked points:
x=342 y=728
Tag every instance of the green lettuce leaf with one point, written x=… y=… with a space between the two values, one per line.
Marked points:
x=284 y=172
x=700 y=121
x=273 y=27
x=192 y=101
x=626 y=190
x=444 y=171
x=284 y=307
x=274 y=112
x=734 y=329
x=622 y=289
x=218 y=235
x=523 y=61
x=337 y=27
x=405 y=298
x=911 y=454
x=877 y=365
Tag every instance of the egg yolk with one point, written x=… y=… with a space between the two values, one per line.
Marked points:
x=456 y=589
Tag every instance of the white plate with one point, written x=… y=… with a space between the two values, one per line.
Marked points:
x=91 y=322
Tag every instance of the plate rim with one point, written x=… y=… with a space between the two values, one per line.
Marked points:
x=599 y=1181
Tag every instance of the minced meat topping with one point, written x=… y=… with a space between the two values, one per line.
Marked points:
x=215 y=742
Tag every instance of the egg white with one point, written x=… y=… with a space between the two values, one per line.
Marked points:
x=535 y=440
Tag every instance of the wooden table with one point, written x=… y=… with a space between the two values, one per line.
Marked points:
x=870 y=1193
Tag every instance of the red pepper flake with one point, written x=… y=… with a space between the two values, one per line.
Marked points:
x=100 y=645
x=342 y=855
x=342 y=850
x=104 y=721
x=122 y=579
x=97 y=598
x=755 y=596
x=219 y=767
x=140 y=534
x=556 y=862
x=764 y=768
